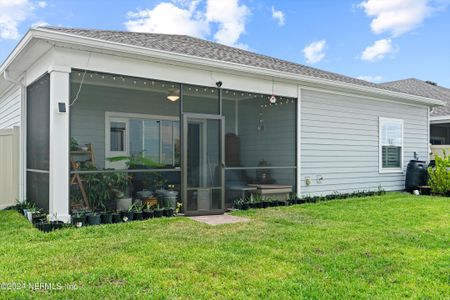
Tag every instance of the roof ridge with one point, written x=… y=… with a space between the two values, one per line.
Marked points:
x=108 y=30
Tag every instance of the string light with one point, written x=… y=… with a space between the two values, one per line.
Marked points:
x=279 y=100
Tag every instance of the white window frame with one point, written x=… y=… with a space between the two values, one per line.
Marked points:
x=381 y=122
x=125 y=117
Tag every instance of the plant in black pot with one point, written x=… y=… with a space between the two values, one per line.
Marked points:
x=178 y=208
x=127 y=215
x=147 y=212
x=45 y=226
x=282 y=202
x=137 y=212
x=78 y=219
x=93 y=218
x=265 y=203
x=273 y=202
x=251 y=202
x=106 y=217
x=57 y=224
x=116 y=217
x=158 y=212
x=237 y=203
x=38 y=217
x=168 y=211
x=258 y=201
x=293 y=199
x=245 y=204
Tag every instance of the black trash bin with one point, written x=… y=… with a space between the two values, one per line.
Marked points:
x=416 y=175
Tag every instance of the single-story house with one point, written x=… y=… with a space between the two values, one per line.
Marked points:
x=208 y=121
x=439 y=116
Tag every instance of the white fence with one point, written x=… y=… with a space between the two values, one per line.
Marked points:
x=9 y=166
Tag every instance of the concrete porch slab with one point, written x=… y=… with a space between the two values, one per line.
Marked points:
x=214 y=220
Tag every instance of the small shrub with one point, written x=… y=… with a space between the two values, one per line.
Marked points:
x=439 y=176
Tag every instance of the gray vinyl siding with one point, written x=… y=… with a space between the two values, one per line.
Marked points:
x=339 y=142
x=10 y=108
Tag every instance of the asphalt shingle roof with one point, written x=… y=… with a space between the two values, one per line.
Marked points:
x=422 y=88
x=184 y=44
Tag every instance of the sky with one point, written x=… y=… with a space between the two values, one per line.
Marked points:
x=374 y=40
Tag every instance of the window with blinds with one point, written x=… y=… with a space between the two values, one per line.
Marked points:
x=391 y=144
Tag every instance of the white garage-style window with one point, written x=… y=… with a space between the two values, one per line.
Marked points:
x=390 y=145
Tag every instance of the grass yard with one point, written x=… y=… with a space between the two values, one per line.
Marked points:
x=388 y=247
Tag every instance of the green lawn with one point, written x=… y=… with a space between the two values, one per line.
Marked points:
x=388 y=247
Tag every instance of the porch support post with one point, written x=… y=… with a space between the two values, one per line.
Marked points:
x=298 y=145
x=59 y=144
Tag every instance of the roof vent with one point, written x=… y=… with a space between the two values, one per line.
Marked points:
x=431 y=82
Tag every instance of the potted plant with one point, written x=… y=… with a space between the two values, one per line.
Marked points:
x=238 y=203
x=30 y=211
x=137 y=213
x=147 y=212
x=178 y=208
x=57 y=224
x=168 y=212
x=258 y=201
x=116 y=217
x=93 y=219
x=127 y=215
x=282 y=202
x=106 y=217
x=245 y=204
x=45 y=226
x=78 y=219
x=273 y=202
x=265 y=203
x=158 y=212
x=251 y=202
x=38 y=217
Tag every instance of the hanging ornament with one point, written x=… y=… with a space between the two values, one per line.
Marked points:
x=273 y=99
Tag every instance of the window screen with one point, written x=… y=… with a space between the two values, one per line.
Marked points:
x=391 y=140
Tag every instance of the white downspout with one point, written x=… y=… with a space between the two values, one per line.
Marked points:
x=22 y=141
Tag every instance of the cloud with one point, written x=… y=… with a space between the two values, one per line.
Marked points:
x=230 y=17
x=378 y=50
x=315 y=51
x=168 y=18
x=42 y=4
x=186 y=17
x=396 y=17
x=14 y=12
x=376 y=78
x=39 y=23
x=278 y=16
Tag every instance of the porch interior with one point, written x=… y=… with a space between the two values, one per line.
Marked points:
x=439 y=139
x=128 y=141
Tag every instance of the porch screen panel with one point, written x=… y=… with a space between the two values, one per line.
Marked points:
x=38 y=141
x=132 y=126
x=260 y=143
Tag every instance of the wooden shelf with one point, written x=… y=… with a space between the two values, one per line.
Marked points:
x=80 y=152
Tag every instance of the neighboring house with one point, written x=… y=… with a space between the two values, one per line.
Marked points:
x=215 y=122
x=439 y=116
